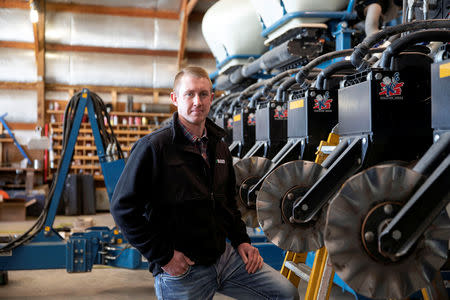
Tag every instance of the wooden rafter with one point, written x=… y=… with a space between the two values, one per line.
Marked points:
x=107 y=89
x=77 y=48
x=110 y=10
x=104 y=10
x=17 y=45
x=132 y=51
x=13 y=85
x=14 y=4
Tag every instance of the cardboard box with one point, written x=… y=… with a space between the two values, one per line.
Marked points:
x=13 y=209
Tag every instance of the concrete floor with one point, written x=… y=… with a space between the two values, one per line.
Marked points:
x=102 y=283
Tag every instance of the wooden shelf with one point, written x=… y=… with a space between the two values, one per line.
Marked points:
x=140 y=114
x=85 y=159
x=87 y=167
x=89 y=130
x=81 y=157
x=123 y=114
x=6 y=140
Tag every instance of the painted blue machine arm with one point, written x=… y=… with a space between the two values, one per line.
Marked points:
x=98 y=245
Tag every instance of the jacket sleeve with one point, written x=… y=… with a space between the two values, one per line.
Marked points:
x=237 y=231
x=132 y=205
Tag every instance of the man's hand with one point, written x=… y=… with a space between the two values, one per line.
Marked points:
x=178 y=265
x=250 y=256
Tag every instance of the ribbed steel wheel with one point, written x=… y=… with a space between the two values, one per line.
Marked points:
x=248 y=171
x=275 y=201
x=361 y=209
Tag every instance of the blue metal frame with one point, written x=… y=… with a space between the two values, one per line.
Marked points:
x=337 y=24
x=347 y=14
x=237 y=56
x=98 y=245
x=14 y=138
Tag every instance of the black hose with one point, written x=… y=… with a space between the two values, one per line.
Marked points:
x=412 y=39
x=254 y=98
x=362 y=49
x=303 y=73
x=283 y=87
x=330 y=70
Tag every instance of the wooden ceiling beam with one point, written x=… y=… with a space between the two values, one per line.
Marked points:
x=75 y=48
x=17 y=45
x=14 y=4
x=104 y=10
x=134 y=51
x=111 y=10
x=108 y=89
x=13 y=85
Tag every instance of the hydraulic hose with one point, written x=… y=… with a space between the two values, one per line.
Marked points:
x=283 y=87
x=330 y=70
x=412 y=39
x=254 y=98
x=303 y=73
x=362 y=49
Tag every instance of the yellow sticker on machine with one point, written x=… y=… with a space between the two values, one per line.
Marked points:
x=296 y=104
x=237 y=118
x=444 y=70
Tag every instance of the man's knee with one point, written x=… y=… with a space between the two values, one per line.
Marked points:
x=291 y=292
x=285 y=289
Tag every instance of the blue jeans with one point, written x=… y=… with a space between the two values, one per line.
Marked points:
x=227 y=276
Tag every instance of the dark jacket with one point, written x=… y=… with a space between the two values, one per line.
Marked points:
x=168 y=198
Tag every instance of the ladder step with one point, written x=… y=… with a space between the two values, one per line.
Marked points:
x=300 y=269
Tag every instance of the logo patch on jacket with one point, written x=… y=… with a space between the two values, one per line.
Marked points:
x=220 y=161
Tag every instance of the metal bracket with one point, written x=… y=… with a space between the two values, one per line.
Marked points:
x=347 y=159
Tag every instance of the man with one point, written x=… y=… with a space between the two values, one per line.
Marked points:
x=175 y=203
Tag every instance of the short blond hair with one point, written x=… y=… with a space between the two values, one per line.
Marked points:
x=195 y=71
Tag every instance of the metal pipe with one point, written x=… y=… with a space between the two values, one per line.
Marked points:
x=434 y=156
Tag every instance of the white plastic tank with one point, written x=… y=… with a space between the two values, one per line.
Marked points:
x=232 y=27
x=271 y=11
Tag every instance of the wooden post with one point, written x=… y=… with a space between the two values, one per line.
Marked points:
x=155 y=96
x=186 y=9
x=1 y=144
x=114 y=100
x=39 y=50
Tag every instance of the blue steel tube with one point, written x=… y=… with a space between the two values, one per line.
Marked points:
x=14 y=139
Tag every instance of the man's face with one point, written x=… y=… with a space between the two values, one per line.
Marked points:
x=193 y=99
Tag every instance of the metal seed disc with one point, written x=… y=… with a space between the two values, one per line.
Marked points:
x=348 y=212
x=247 y=169
x=292 y=176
